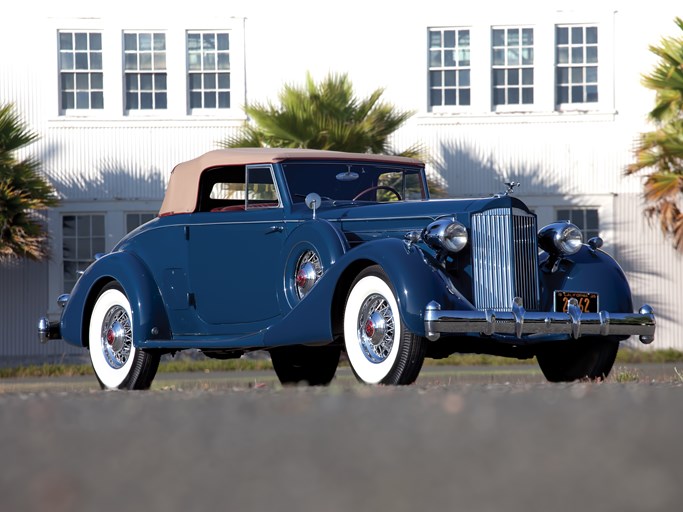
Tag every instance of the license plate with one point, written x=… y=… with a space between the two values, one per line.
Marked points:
x=587 y=301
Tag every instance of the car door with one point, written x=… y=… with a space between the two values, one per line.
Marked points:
x=234 y=253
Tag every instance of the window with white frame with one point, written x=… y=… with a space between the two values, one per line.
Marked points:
x=82 y=238
x=512 y=58
x=81 y=79
x=586 y=219
x=449 y=67
x=208 y=58
x=576 y=64
x=135 y=219
x=144 y=55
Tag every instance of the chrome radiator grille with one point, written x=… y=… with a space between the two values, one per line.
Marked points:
x=504 y=259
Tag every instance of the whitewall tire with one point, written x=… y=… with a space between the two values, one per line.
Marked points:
x=118 y=364
x=380 y=348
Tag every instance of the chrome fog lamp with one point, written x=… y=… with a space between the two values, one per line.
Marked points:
x=560 y=238
x=446 y=234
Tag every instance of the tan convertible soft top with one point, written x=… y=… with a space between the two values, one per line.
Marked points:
x=183 y=185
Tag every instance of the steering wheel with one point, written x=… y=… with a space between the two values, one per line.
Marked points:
x=378 y=187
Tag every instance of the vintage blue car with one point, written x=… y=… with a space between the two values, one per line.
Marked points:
x=309 y=253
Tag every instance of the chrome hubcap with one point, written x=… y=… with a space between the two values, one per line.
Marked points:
x=308 y=270
x=376 y=328
x=117 y=337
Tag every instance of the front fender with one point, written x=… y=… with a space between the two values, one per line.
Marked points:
x=415 y=281
x=150 y=320
x=588 y=271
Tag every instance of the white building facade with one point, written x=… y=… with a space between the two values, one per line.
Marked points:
x=539 y=93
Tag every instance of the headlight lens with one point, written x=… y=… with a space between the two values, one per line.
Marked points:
x=446 y=234
x=560 y=238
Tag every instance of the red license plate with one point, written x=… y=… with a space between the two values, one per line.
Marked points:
x=587 y=301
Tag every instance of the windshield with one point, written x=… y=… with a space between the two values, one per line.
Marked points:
x=354 y=181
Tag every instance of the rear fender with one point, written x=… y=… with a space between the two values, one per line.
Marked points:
x=150 y=320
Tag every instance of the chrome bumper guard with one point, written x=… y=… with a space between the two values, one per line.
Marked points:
x=48 y=330
x=520 y=322
x=51 y=330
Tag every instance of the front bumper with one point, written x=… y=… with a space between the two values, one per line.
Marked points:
x=521 y=323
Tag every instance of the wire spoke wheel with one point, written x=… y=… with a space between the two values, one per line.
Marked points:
x=118 y=364
x=380 y=348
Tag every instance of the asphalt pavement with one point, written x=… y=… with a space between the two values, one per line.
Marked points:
x=496 y=441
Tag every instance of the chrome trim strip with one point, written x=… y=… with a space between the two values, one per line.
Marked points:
x=520 y=323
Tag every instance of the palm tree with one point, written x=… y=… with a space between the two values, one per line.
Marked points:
x=326 y=115
x=23 y=192
x=661 y=150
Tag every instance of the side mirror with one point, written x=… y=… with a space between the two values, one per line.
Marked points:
x=313 y=201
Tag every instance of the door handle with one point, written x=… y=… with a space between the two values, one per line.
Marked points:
x=275 y=229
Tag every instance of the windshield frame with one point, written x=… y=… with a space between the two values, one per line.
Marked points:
x=326 y=178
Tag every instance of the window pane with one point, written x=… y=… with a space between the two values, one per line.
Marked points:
x=562 y=35
x=130 y=42
x=195 y=100
x=81 y=41
x=513 y=96
x=223 y=100
x=528 y=76
x=528 y=36
x=449 y=39
x=160 y=100
x=145 y=42
x=464 y=78
x=577 y=94
x=209 y=100
x=592 y=35
x=96 y=100
x=223 y=42
x=449 y=78
x=82 y=60
x=449 y=58
x=223 y=61
x=497 y=37
x=95 y=41
x=464 y=96
x=434 y=38
x=223 y=80
x=146 y=101
x=66 y=61
x=527 y=95
x=577 y=35
x=65 y=41
x=577 y=55
x=592 y=54
x=513 y=37
x=449 y=97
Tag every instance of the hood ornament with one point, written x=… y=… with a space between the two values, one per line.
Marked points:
x=511 y=185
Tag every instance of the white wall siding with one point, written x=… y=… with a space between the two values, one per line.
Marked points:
x=653 y=268
x=122 y=160
x=22 y=302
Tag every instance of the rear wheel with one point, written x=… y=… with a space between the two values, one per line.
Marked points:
x=380 y=348
x=118 y=364
x=314 y=366
x=587 y=358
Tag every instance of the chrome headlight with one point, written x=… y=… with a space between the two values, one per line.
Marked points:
x=446 y=234
x=560 y=238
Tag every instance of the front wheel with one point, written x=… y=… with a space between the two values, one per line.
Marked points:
x=380 y=348
x=587 y=358
x=118 y=364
